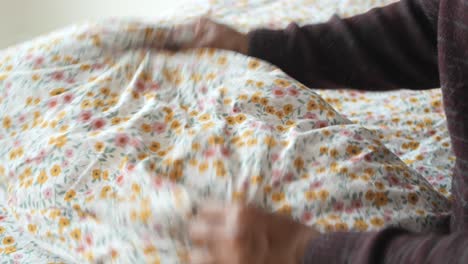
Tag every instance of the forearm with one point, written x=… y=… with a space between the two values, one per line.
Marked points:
x=386 y=48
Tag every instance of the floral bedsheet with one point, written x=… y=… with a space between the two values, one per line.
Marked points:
x=106 y=146
x=401 y=118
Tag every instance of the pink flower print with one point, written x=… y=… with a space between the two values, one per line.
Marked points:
x=387 y=218
x=254 y=124
x=306 y=217
x=17 y=143
x=310 y=115
x=225 y=152
x=48 y=193
x=65 y=163
x=226 y=131
x=245 y=186
x=275 y=157
x=85 y=116
x=69 y=153
x=358 y=137
x=356 y=204
x=130 y=167
x=121 y=140
x=38 y=61
x=394 y=180
x=18 y=256
x=276 y=174
x=316 y=185
x=289 y=177
x=135 y=143
x=321 y=123
x=21 y=118
x=89 y=239
x=157 y=182
x=159 y=127
x=155 y=87
x=293 y=92
x=97 y=66
x=204 y=90
x=278 y=92
x=98 y=123
x=70 y=81
x=12 y=201
x=157 y=228
x=276 y=183
x=338 y=206
x=80 y=248
x=209 y=153
x=67 y=98
x=120 y=180
x=345 y=133
x=368 y=157
x=42 y=154
x=52 y=103
x=141 y=86
x=58 y=76
x=236 y=110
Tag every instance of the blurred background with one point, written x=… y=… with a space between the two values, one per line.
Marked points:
x=21 y=20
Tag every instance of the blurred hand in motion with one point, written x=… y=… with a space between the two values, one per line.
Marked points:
x=238 y=234
x=205 y=33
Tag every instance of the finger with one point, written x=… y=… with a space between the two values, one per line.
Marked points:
x=201 y=232
x=213 y=212
x=181 y=36
x=198 y=25
x=199 y=256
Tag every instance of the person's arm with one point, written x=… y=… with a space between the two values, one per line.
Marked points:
x=391 y=246
x=386 y=48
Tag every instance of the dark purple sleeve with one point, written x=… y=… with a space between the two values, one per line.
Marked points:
x=385 y=48
x=391 y=246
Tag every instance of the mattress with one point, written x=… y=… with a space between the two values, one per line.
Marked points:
x=107 y=145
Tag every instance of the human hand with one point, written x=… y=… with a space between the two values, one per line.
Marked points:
x=205 y=33
x=238 y=234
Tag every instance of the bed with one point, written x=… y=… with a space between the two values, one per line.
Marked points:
x=106 y=145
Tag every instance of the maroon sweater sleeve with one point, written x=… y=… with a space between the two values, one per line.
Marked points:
x=391 y=246
x=386 y=48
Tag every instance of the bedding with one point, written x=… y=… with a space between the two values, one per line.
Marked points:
x=107 y=145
